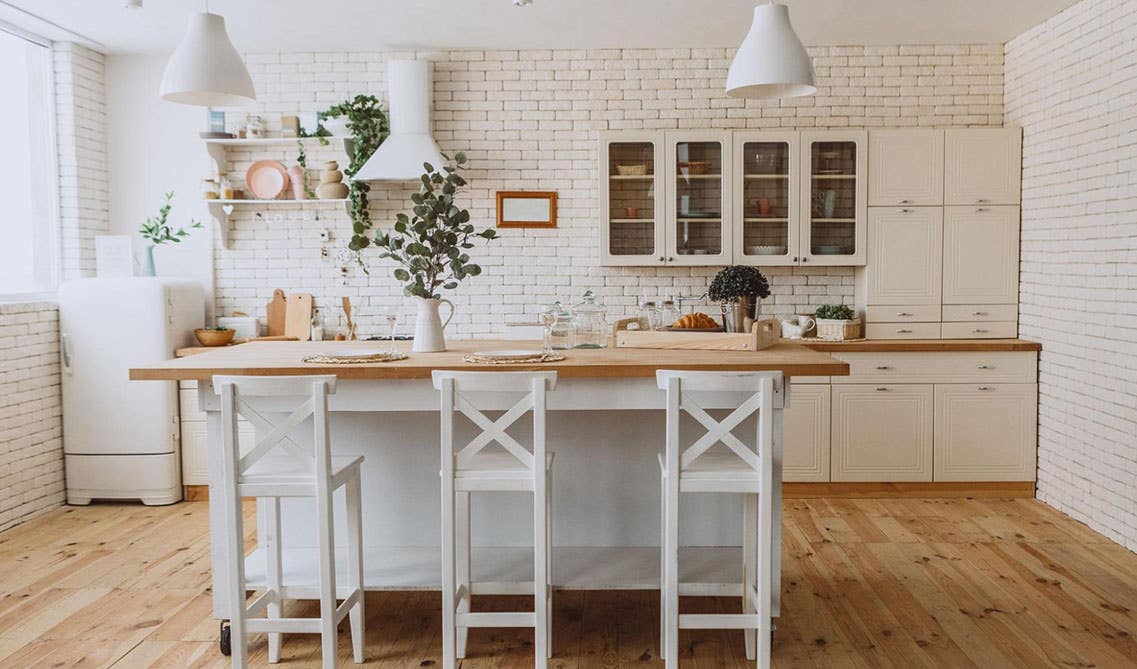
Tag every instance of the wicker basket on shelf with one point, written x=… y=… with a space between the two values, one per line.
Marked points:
x=632 y=170
x=835 y=330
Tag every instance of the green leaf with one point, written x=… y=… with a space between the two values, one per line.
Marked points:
x=460 y=157
x=450 y=285
x=402 y=274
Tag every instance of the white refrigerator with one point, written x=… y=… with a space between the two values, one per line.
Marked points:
x=121 y=437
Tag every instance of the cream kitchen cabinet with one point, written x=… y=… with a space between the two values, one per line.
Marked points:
x=906 y=168
x=981 y=255
x=766 y=203
x=698 y=226
x=632 y=198
x=905 y=256
x=195 y=448
x=834 y=167
x=982 y=166
x=805 y=434
x=985 y=432
x=882 y=432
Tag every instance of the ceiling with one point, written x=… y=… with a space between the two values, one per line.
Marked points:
x=307 y=25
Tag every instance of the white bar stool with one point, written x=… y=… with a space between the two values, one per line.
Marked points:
x=733 y=469
x=473 y=470
x=295 y=471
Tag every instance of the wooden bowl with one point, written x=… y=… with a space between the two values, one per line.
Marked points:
x=209 y=337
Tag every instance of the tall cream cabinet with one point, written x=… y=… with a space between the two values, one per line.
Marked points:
x=717 y=197
x=943 y=243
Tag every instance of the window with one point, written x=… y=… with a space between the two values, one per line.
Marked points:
x=29 y=238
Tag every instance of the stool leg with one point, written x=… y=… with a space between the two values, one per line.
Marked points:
x=765 y=575
x=273 y=548
x=327 y=549
x=671 y=541
x=662 y=568
x=449 y=659
x=355 y=564
x=462 y=564
x=540 y=573
x=234 y=530
x=749 y=564
x=549 y=562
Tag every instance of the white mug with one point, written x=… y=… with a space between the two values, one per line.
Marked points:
x=807 y=323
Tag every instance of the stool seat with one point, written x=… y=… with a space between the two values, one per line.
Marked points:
x=496 y=471
x=716 y=472
x=285 y=471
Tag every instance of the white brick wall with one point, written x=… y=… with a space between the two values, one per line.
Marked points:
x=80 y=104
x=31 y=428
x=529 y=120
x=1070 y=83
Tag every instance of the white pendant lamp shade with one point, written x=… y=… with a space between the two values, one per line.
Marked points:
x=771 y=62
x=410 y=144
x=206 y=70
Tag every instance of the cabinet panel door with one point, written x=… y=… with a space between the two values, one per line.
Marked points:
x=632 y=198
x=834 y=192
x=882 y=432
x=986 y=432
x=697 y=230
x=983 y=166
x=765 y=181
x=906 y=167
x=905 y=255
x=981 y=255
x=805 y=434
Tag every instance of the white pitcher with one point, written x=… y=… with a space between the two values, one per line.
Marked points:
x=429 y=327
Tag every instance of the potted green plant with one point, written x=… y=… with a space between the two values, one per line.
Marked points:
x=157 y=231
x=430 y=246
x=369 y=126
x=738 y=288
x=837 y=322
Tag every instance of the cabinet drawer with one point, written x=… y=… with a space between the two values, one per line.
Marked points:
x=187 y=385
x=985 y=432
x=187 y=407
x=902 y=331
x=980 y=312
x=882 y=432
x=980 y=330
x=947 y=367
x=918 y=313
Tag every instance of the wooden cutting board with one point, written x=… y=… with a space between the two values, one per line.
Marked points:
x=275 y=313
x=298 y=317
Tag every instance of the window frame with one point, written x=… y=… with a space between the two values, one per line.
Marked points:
x=54 y=236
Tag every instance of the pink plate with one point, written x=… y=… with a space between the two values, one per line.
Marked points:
x=267 y=179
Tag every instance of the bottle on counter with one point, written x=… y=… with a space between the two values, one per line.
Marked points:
x=317 y=325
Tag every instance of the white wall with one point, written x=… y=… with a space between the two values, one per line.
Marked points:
x=1072 y=84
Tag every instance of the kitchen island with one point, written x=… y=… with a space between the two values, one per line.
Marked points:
x=605 y=424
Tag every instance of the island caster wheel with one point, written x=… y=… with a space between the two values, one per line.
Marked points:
x=773 y=628
x=225 y=639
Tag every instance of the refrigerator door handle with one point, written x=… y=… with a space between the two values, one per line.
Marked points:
x=65 y=349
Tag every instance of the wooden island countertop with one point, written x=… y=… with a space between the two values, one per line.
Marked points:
x=286 y=358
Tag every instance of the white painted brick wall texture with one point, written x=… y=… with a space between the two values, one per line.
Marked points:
x=31 y=427
x=1070 y=83
x=530 y=120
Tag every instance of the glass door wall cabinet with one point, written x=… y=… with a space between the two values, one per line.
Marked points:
x=698 y=226
x=833 y=197
x=632 y=203
x=765 y=175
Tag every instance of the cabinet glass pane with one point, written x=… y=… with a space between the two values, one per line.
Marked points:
x=833 y=198
x=766 y=198
x=631 y=199
x=698 y=198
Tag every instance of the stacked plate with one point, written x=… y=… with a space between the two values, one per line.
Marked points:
x=512 y=357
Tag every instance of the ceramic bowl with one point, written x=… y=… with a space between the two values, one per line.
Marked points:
x=766 y=250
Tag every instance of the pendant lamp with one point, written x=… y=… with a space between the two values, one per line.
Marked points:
x=206 y=70
x=771 y=62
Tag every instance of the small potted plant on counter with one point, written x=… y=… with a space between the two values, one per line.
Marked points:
x=837 y=322
x=430 y=245
x=739 y=288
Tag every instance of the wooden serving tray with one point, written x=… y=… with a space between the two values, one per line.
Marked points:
x=764 y=334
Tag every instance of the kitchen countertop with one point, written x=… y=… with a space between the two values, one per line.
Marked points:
x=285 y=358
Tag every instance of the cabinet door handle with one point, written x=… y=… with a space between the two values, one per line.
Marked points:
x=795 y=258
x=982 y=210
x=904 y=202
x=804 y=259
x=670 y=259
x=903 y=314
x=984 y=367
x=986 y=388
x=881 y=389
x=906 y=211
x=661 y=259
x=982 y=201
x=883 y=367
x=977 y=330
x=979 y=313
x=903 y=331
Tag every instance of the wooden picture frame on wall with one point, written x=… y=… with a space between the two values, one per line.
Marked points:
x=526 y=209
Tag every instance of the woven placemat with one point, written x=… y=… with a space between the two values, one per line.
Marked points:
x=353 y=359
x=480 y=360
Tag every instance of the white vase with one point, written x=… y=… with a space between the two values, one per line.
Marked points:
x=429 y=327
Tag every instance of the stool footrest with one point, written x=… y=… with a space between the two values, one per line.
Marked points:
x=710 y=589
x=495 y=619
x=721 y=621
x=345 y=605
x=501 y=588
x=283 y=625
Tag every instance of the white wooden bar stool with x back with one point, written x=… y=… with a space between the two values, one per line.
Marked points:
x=280 y=467
x=510 y=468
x=719 y=462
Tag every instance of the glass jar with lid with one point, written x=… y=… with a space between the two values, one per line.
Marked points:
x=589 y=325
x=558 y=327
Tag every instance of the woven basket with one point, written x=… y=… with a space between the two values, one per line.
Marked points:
x=834 y=330
x=632 y=170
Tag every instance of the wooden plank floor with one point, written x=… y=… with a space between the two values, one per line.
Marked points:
x=867 y=583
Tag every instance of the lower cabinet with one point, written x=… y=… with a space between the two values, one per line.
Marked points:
x=805 y=435
x=195 y=447
x=882 y=432
x=986 y=432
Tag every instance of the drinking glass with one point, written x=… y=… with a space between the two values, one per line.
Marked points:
x=390 y=316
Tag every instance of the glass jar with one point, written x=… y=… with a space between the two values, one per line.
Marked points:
x=254 y=127
x=650 y=314
x=589 y=326
x=209 y=189
x=558 y=327
x=669 y=312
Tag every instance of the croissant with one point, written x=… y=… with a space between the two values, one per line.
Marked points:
x=696 y=320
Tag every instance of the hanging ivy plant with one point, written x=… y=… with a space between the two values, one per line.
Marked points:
x=369 y=126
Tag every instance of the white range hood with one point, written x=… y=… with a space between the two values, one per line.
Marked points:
x=410 y=144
